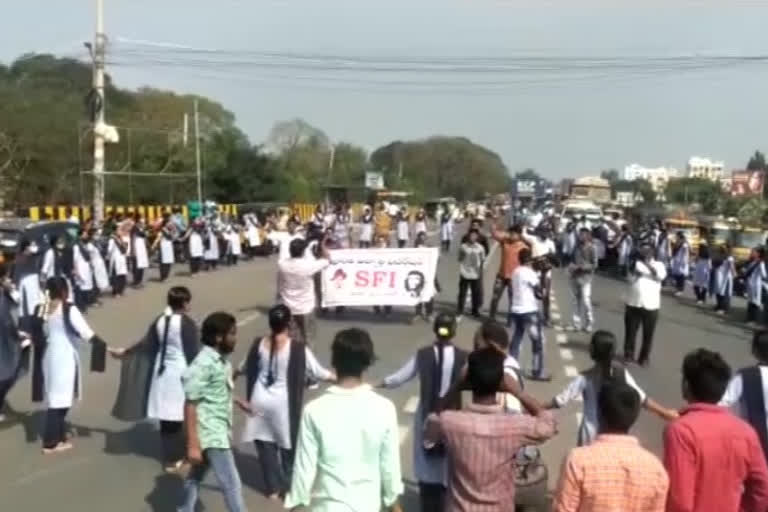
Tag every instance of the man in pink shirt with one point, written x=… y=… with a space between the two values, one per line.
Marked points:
x=714 y=460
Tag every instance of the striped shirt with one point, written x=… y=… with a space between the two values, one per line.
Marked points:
x=613 y=474
x=481 y=443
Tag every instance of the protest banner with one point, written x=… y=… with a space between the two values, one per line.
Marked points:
x=380 y=277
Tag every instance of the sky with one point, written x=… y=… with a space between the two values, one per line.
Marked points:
x=561 y=123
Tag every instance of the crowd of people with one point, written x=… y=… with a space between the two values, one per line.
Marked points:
x=318 y=456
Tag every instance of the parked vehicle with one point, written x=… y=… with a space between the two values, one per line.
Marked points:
x=12 y=231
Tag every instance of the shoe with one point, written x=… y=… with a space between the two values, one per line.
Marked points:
x=644 y=363
x=628 y=360
x=459 y=318
x=539 y=377
x=572 y=327
x=677 y=294
x=313 y=386
x=720 y=312
x=174 y=467
x=699 y=302
x=61 y=447
x=3 y=417
x=588 y=329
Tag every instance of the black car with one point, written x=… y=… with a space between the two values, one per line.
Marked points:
x=12 y=231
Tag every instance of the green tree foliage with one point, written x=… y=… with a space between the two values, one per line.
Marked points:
x=442 y=166
x=757 y=162
x=708 y=194
x=610 y=175
x=641 y=187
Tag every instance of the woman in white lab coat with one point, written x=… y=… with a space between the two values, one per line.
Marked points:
x=100 y=273
x=164 y=242
x=366 y=228
x=680 y=266
x=212 y=252
x=27 y=281
x=722 y=279
x=63 y=329
x=195 y=245
x=83 y=278
x=117 y=252
x=57 y=260
x=139 y=251
x=403 y=229
x=420 y=226
x=755 y=276
x=252 y=233
x=234 y=245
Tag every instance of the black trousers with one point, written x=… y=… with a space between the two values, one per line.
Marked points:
x=195 y=264
x=365 y=245
x=432 y=497
x=172 y=441
x=118 y=284
x=425 y=308
x=55 y=427
x=211 y=264
x=138 y=275
x=680 y=282
x=473 y=286
x=402 y=243
x=701 y=293
x=5 y=388
x=276 y=467
x=300 y=322
x=83 y=299
x=446 y=244
x=499 y=286
x=633 y=319
x=165 y=271
x=232 y=259
x=723 y=303
x=753 y=310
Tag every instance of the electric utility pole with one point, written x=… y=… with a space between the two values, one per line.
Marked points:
x=99 y=50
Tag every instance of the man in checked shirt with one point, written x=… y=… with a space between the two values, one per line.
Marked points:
x=481 y=441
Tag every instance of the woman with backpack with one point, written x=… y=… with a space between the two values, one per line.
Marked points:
x=587 y=384
x=277 y=369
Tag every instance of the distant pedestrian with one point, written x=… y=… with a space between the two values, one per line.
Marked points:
x=680 y=266
x=582 y=268
x=723 y=272
x=614 y=473
x=446 y=228
x=714 y=460
x=755 y=276
x=587 y=385
x=510 y=244
x=403 y=228
x=471 y=258
x=366 y=228
x=642 y=304
x=702 y=272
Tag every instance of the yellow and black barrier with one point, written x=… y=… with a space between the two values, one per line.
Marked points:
x=149 y=212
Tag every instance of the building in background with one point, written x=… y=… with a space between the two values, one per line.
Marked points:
x=658 y=177
x=705 y=168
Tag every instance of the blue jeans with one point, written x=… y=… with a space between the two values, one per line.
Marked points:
x=223 y=463
x=532 y=323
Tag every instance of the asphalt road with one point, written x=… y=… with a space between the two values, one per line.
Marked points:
x=115 y=465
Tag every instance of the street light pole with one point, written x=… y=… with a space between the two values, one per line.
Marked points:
x=99 y=50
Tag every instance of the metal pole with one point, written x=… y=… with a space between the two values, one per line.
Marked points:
x=197 y=157
x=99 y=45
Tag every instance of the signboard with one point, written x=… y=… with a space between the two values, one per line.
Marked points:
x=525 y=188
x=747 y=183
x=380 y=277
x=374 y=180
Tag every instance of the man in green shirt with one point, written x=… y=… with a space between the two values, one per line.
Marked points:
x=348 y=452
x=208 y=413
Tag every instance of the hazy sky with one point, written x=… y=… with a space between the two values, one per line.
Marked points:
x=558 y=124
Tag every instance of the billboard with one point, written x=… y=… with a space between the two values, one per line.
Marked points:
x=747 y=183
x=524 y=188
x=374 y=180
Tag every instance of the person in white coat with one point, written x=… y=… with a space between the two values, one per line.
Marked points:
x=366 y=228
x=63 y=328
x=83 y=273
x=420 y=226
x=195 y=246
x=57 y=260
x=139 y=252
x=117 y=252
x=212 y=252
x=171 y=343
x=252 y=234
x=680 y=265
x=403 y=228
x=164 y=242
x=702 y=273
x=723 y=272
x=27 y=281
x=755 y=276
x=234 y=243
x=446 y=228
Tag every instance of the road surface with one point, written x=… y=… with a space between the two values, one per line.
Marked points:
x=114 y=466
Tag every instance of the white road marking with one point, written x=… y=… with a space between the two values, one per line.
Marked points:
x=248 y=319
x=404 y=430
x=571 y=371
x=411 y=405
x=566 y=354
x=555 y=315
x=561 y=338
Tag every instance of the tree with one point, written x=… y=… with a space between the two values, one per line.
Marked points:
x=527 y=174
x=708 y=194
x=610 y=175
x=757 y=162
x=442 y=166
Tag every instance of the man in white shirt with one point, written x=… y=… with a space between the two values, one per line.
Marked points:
x=643 y=302
x=283 y=239
x=296 y=284
x=524 y=314
x=542 y=251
